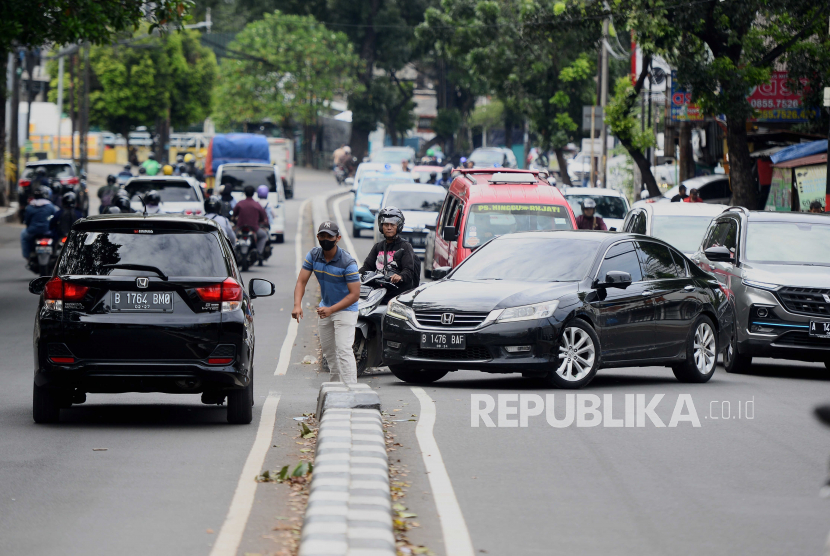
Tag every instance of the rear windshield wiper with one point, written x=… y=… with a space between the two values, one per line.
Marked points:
x=139 y=267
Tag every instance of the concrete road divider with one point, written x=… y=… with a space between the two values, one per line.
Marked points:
x=349 y=510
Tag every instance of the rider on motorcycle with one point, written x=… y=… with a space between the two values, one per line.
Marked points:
x=36 y=217
x=213 y=210
x=250 y=214
x=392 y=253
x=108 y=193
x=62 y=222
x=152 y=202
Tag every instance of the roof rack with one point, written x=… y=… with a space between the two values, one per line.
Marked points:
x=493 y=170
x=742 y=209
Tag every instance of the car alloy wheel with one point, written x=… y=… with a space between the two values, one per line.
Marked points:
x=704 y=347
x=577 y=353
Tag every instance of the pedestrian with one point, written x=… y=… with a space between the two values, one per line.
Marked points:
x=694 y=196
x=588 y=220
x=816 y=207
x=681 y=195
x=404 y=165
x=339 y=280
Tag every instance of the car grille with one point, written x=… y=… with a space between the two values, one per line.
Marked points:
x=802 y=339
x=470 y=353
x=807 y=301
x=460 y=320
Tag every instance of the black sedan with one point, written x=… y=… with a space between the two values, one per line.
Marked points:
x=561 y=305
x=145 y=304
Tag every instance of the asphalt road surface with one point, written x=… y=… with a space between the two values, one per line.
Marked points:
x=745 y=481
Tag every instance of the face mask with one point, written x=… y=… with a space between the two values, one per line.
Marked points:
x=327 y=244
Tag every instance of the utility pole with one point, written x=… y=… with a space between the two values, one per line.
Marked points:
x=603 y=101
x=85 y=112
x=60 y=103
x=72 y=115
x=14 y=140
x=32 y=58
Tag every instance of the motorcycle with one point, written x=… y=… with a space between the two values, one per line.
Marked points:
x=42 y=258
x=368 y=346
x=340 y=174
x=247 y=255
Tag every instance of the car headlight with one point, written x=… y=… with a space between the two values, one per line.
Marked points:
x=366 y=306
x=398 y=310
x=528 y=312
x=761 y=285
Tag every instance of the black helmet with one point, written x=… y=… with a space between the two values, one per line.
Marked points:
x=152 y=198
x=128 y=167
x=447 y=170
x=151 y=156
x=42 y=192
x=142 y=170
x=122 y=201
x=41 y=171
x=69 y=200
x=213 y=205
x=390 y=215
x=250 y=190
x=111 y=180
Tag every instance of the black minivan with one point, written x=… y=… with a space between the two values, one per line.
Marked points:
x=145 y=304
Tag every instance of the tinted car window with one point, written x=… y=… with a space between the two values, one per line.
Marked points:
x=684 y=232
x=788 y=243
x=240 y=176
x=487 y=158
x=656 y=260
x=714 y=190
x=488 y=220
x=639 y=226
x=723 y=234
x=679 y=263
x=415 y=200
x=175 y=254
x=59 y=171
x=530 y=260
x=379 y=185
x=607 y=206
x=623 y=258
x=171 y=191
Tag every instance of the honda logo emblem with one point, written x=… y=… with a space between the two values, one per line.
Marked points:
x=447 y=318
x=142 y=282
x=826 y=297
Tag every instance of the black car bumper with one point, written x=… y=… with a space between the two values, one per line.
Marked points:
x=485 y=348
x=793 y=344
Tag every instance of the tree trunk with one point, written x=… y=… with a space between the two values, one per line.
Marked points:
x=686 y=159
x=14 y=140
x=645 y=168
x=563 y=166
x=4 y=191
x=72 y=115
x=740 y=165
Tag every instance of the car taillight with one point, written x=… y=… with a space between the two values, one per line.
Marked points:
x=64 y=360
x=63 y=239
x=57 y=291
x=44 y=241
x=229 y=293
x=24 y=183
x=220 y=360
x=70 y=181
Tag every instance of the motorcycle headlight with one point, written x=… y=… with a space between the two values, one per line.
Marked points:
x=761 y=285
x=366 y=306
x=398 y=310
x=528 y=312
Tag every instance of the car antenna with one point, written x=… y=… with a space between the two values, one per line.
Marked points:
x=144 y=204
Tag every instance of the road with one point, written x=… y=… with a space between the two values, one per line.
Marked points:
x=739 y=484
x=746 y=484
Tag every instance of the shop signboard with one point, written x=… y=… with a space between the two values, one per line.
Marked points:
x=811 y=182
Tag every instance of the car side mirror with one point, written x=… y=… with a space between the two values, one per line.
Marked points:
x=441 y=272
x=37 y=285
x=430 y=226
x=449 y=233
x=718 y=254
x=616 y=279
x=258 y=287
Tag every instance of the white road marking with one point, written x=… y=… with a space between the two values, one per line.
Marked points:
x=457 y=540
x=227 y=542
x=342 y=225
x=293 y=325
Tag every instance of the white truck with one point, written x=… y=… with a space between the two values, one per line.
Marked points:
x=282 y=155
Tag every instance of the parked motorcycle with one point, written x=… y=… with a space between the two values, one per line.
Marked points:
x=247 y=255
x=368 y=346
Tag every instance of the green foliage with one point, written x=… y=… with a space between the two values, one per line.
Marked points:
x=487 y=115
x=286 y=67
x=447 y=121
x=625 y=122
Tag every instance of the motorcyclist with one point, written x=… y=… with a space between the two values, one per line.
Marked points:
x=122 y=203
x=152 y=202
x=588 y=219
x=213 y=210
x=433 y=178
x=40 y=178
x=62 y=222
x=192 y=169
x=341 y=156
x=142 y=171
x=167 y=170
x=392 y=252
x=228 y=202
x=250 y=214
x=125 y=174
x=262 y=199
x=446 y=176
x=36 y=218
x=108 y=193
x=151 y=165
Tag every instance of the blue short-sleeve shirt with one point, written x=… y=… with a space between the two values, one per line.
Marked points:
x=333 y=275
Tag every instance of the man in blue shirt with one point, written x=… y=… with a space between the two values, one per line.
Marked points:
x=336 y=271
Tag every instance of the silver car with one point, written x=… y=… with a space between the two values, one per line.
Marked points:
x=683 y=225
x=776 y=268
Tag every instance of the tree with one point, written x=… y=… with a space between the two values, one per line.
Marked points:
x=26 y=23
x=724 y=49
x=283 y=68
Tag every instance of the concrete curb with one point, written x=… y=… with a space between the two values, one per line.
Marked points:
x=9 y=214
x=349 y=510
x=338 y=395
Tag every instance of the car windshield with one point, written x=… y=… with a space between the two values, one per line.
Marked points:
x=607 y=207
x=788 y=243
x=487 y=221
x=171 y=191
x=53 y=171
x=175 y=254
x=389 y=156
x=379 y=185
x=238 y=177
x=487 y=158
x=415 y=200
x=530 y=259
x=683 y=232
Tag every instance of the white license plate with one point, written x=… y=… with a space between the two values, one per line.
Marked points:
x=42 y=250
x=441 y=340
x=143 y=302
x=819 y=329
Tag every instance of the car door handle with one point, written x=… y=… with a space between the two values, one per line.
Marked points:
x=689 y=288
